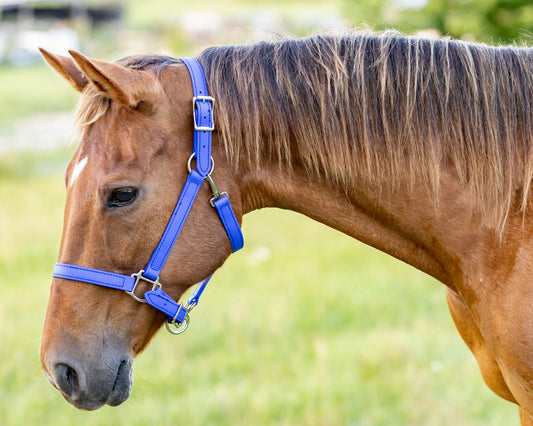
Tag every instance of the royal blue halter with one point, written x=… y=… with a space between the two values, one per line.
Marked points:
x=178 y=314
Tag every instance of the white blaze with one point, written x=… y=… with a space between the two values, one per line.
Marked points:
x=78 y=168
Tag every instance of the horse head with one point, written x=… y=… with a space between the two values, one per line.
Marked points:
x=122 y=185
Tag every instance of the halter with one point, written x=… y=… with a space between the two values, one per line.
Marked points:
x=177 y=313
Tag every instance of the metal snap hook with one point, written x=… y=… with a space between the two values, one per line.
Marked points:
x=214 y=190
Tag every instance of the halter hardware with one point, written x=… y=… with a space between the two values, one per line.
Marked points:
x=175 y=327
x=216 y=193
x=194 y=108
x=140 y=277
x=177 y=313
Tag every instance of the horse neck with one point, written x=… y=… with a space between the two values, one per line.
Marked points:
x=404 y=222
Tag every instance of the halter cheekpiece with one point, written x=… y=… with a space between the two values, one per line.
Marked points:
x=177 y=313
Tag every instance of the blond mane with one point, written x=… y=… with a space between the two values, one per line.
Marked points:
x=381 y=107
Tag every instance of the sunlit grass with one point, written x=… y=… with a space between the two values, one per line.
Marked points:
x=32 y=89
x=305 y=326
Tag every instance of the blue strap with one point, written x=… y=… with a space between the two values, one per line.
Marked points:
x=203 y=116
x=94 y=276
x=179 y=215
x=231 y=225
x=160 y=300
x=175 y=311
x=195 y=296
x=156 y=298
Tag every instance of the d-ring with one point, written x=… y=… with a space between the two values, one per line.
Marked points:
x=174 y=328
x=189 y=161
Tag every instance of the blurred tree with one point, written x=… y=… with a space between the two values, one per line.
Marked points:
x=496 y=21
x=369 y=12
x=484 y=20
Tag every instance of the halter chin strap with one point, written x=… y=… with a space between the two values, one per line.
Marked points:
x=177 y=313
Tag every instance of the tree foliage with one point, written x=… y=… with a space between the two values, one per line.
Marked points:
x=492 y=21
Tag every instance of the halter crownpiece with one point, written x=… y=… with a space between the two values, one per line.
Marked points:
x=178 y=314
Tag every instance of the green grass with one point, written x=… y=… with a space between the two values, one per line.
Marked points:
x=32 y=89
x=305 y=326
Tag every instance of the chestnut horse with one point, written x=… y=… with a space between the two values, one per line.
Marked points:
x=420 y=148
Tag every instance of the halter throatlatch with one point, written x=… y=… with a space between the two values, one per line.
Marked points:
x=177 y=313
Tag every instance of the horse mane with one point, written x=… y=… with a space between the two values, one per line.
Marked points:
x=380 y=107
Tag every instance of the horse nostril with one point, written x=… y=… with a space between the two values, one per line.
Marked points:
x=67 y=379
x=122 y=385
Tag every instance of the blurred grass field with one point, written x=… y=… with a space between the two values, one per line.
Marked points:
x=29 y=90
x=305 y=326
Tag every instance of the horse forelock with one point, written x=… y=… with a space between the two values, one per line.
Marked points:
x=93 y=104
x=382 y=107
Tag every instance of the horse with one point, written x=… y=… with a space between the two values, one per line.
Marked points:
x=421 y=148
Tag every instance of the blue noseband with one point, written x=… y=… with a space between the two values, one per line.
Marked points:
x=178 y=314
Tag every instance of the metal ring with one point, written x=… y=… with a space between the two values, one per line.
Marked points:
x=193 y=155
x=176 y=329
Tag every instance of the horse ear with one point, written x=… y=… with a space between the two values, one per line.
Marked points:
x=122 y=84
x=66 y=68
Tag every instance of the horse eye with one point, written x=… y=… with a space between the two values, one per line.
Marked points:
x=121 y=197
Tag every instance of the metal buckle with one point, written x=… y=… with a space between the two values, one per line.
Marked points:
x=203 y=99
x=140 y=277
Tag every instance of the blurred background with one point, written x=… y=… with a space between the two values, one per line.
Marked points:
x=305 y=325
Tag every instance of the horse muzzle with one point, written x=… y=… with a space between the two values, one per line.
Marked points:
x=90 y=386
